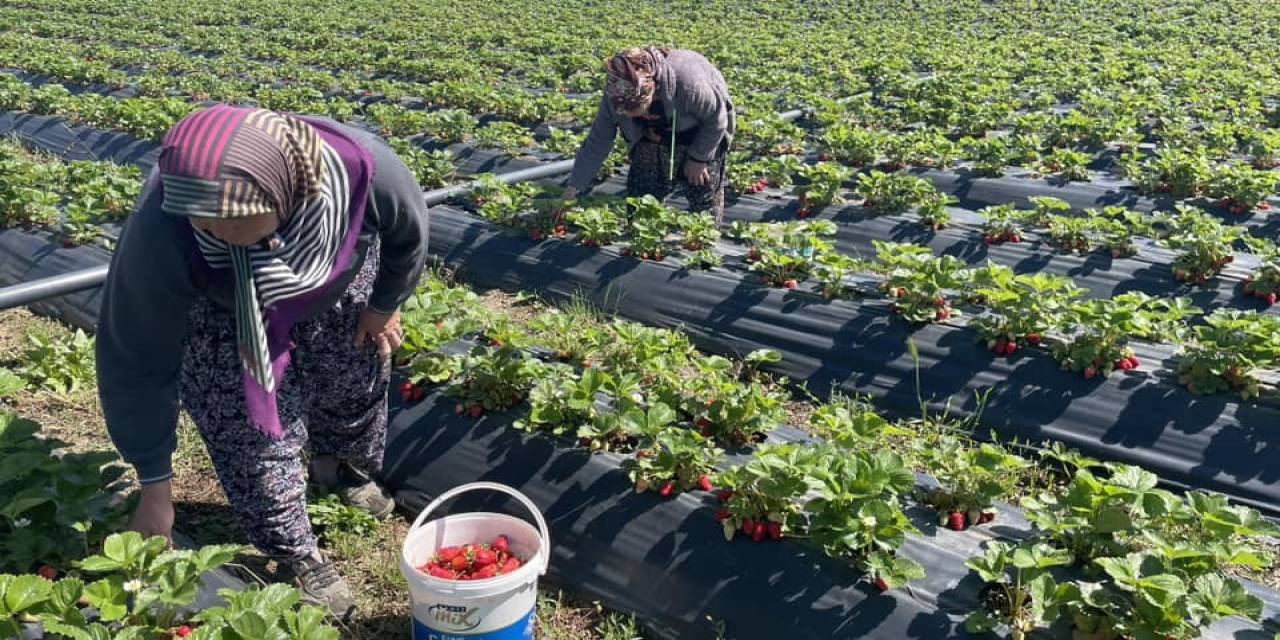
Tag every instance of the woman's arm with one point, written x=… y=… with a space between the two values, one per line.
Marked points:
x=712 y=111
x=599 y=143
x=141 y=327
x=401 y=217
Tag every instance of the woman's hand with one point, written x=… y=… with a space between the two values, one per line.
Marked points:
x=381 y=329
x=696 y=173
x=557 y=214
x=154 y=514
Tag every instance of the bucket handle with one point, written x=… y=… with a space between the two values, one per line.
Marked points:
x=500 y=488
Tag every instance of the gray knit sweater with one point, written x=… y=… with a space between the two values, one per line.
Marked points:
x=692 y=89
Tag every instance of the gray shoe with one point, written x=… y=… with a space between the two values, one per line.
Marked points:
x=351 y=486
x=321 y=585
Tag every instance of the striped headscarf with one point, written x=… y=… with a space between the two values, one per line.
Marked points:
x=233 y=162
x=631 y=76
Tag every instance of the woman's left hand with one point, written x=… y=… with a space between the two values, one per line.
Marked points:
x=696 y=173
x=381 y=329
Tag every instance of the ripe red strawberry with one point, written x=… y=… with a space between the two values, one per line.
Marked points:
x=939 y=302
x=1123 y=364
x=476 y=411
x=882 y=585
x=804 y=212
x=749 y=527
x=418 y=393
x=561 y=230
x=1271 y=298
x=447 y=554
x=899 y=292
x=182 y=631
x=502 y=545
x=1133 y=362
x=667 y=489
x=722 y=515
x=775 y=530
x=987 y=516
x=459 y=562
x=759 y=534
x=790 y=284
x=486 y=557
x=440 y=572
x=988 y=240
x=1015 y=238
x=47 y=572
x=724 y=495
x=1000 y=345
x=1033 y=339
x=942 y=314
x=1010 y=347
x=485 y=572
x=955 y=521
x=1089 y=373
x=704 y=483
x=509 y=565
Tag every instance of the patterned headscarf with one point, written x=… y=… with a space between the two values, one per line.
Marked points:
x=232 y=162
x=631 y=76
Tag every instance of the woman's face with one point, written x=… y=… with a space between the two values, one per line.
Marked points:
x=640 y=110
x=242 y=232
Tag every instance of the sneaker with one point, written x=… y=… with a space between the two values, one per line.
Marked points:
x=320 y=584
x=351 y=486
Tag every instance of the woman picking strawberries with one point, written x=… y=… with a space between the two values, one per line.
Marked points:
x=257 y=286
x=674 y=111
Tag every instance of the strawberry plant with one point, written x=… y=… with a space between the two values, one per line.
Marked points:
x=669 y=459
x=1097 y=331
x=563 y=141
x=1067 y=164
x=1240 y=188
x=500 y=202
x=852 y=145
x=786 y=253
x=893 y=192
x=1021 y=595
x=433 y=169
x=833 y=271
x=728 y=410
x=1022 y=309
x=598 y=226
x=1071 y=234
x=919 y=280
x=507 y=137
x=1117 y=226
x=824 y=186
x=932 y=210
x=1205 y=245
x=706 y=258
x=971 y=479
x=990 y=156
x=1264 y=282
x=561 y=404
x=448 y=125
x=698 y=231
x=621 y=428
x=1227 y=351
x=1046 y=208
x=849 y=423
x=857 y=514
x=763 y=497
x=1001 y=224
x=1179 y=172
x=1264 y=147
x=494 y=379
x=58 y=364
x=651 y=223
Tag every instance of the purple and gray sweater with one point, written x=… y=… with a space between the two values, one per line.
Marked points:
x=153 y=283
x=690 y=87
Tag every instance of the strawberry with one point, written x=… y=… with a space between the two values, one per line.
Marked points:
x=182 y=631
x=458 y=409
x=47 y=572
x=667 y=489
x=447 y=554
x=939 y=302
x=759 y=534
x=1123 y=364
x=509 y=565
x=899 y=292
x=790 y=284
x=1033 y=339
x=955 y=521
x=485 y=572
x=775 y=530
x=476 y=411
x=537 y=236
x=459 y=562
x=749 y=527
x=704 y=483
x=724 y=495
x=703 y=424
x=1089 y=373
x=988 y=240
x=1011 y=347
x=804 y=212
x=486 y=557
x=722 y=515
x=942 y=314
x=418 y=393
x=1271 y=298
x=1000 y=345
x=1015 y=238
x=987 y=516
x=561 y=230
x=439 y=572
x=502 y=545
x=1133 y=362
x=882 y=585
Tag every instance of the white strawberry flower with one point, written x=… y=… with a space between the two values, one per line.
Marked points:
x=133 y=586
x=21 y=523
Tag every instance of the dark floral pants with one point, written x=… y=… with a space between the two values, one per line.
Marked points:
x=332 y=400
x=650 y=174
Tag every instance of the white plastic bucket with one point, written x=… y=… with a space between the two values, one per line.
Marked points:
x=500 y=608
